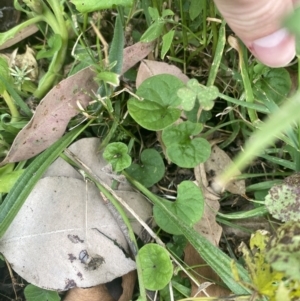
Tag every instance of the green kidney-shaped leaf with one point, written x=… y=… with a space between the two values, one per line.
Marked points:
x=151 y=169
x=151 y=115
x=157 y=268
x=161 y=89
x=86 y=6
x=188 y=207
x=34 y=293
x=183 y=150
x=116 y=154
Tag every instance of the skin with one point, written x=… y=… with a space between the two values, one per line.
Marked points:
x=258 y=25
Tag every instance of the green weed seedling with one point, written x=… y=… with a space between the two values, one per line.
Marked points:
x=164 y=96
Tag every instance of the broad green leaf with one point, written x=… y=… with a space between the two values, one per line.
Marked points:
x=116 y=154
x=153 y=32
x=55 y=43
x=109 y=77
x=151 y=115
x=274 y=85
x=86 y=6
x=167 y=12
x=183 y=150
x=196 y=7
x=34 y=293
x=161 y=89
x=116 y=47
x=8 y=180
x=20 y=191
x=167 y=40
x=4 y=73
x=153 y=12
x=188 y=207
x=156 y=266
x=151 y=169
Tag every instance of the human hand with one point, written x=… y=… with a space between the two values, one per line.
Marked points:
x=258 y=24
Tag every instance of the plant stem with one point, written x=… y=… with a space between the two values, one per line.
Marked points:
x=15 y=116
x=57 y=23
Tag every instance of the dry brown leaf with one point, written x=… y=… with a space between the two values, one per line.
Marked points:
x=149 y=68
x=208 y=228
x=52 y=116
x=105 y=292
x=95 y=293
x=216 y=164
x=135 y=53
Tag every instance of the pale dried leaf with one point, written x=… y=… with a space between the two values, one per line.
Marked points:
x=52 y=116
x=215 y=165
x=87 y=151
x=149 y=68
x=61 y=220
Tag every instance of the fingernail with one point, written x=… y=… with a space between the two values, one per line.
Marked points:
x=274 y=50
x=272 y=40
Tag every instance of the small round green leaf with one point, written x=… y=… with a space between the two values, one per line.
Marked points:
x=161 y=89
x=151 y=115
x=150 y=171
x=34 y=293
x=156 y=266
x=116 y=154
x=183 y=150
x=188 y=207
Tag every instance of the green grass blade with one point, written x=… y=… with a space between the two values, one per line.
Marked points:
x=22 y=188
x=116 y=48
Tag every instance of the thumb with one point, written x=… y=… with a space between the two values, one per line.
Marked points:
x=258 y=25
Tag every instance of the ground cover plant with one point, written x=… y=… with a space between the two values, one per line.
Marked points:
x=144 y=154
